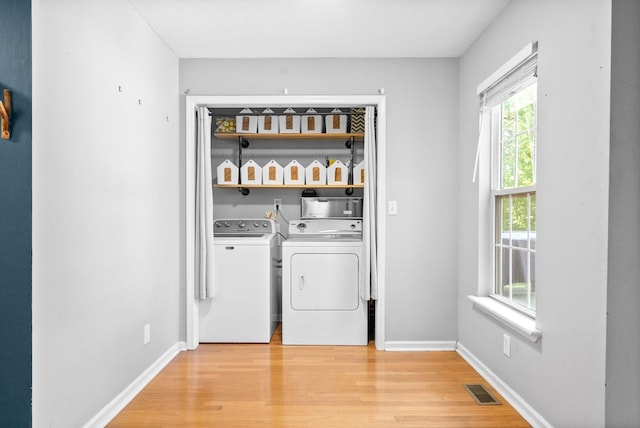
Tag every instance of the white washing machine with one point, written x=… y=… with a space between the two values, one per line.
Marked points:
x=245 y=307
x=322 y=280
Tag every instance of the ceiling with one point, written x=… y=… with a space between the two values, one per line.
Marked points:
x=318 y=28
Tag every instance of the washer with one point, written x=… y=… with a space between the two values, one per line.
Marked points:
x=245 y=303
x=322 y=283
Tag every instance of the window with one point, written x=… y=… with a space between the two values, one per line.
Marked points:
x=513 y=191
x=511 y=103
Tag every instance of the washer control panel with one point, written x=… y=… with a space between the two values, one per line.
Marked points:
x=243 y=226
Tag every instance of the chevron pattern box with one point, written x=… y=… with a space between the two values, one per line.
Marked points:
x=357 y=121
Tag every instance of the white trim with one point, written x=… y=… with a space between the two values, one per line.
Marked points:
x=513 y=319
x=282 y=100
x=514 y=399
x=381 y=218
x=191 y=303
x=195 y=101
x=514 y=191
x=417 y=345
x=524 y=53
x=111 y=410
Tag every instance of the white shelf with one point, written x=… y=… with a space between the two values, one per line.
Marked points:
x=323 y=136
x=290 y=186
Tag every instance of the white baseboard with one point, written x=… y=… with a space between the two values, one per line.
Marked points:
x=415 y=345
x=515 y=400
x=116 y=405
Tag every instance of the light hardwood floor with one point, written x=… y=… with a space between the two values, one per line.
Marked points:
x=270 y=385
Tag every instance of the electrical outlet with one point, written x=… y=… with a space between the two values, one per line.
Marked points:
x=277 y=203
x=506 y=345
x=393 y=207
x=147 y=334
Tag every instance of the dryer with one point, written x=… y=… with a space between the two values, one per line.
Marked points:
x=322 y=283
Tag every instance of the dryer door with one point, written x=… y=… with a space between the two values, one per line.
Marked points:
x=325 y=281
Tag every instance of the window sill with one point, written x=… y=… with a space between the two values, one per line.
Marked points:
x=511 y=318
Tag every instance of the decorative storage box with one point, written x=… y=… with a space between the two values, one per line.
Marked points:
x=289 y=122
x=268 y=124
x=357 y=121
x=246 y=124
x=337 y=173
x=316 y=173
x=272 y=173
x=336 y=123
x=311 y=122
x=227 y=173
x=251 y=173
x=225 y=125
x=294 y=173
x=358 y=173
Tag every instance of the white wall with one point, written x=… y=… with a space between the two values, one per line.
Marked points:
x=421 y=168
x=623 y=297
x=563 y=375
x=105 y=205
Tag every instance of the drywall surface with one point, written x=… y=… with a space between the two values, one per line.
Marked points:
x=563 y=376
x=421 y=168
x=15 y=217
x=105 y=205
x=623 y=297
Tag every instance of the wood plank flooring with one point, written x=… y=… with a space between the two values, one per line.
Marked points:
x=270 y=385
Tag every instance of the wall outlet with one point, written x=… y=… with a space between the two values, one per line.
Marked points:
x=393 y=207
x=277 y=204
x=506 y=345
x=147 y=334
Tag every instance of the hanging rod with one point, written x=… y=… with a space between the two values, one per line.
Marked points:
x=346 y=113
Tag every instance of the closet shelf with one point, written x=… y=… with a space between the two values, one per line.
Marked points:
x=323 y=136
x=290 y=186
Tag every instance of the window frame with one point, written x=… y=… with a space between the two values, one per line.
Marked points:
x=497 y=192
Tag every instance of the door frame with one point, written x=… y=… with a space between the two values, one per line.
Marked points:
x=193 y=102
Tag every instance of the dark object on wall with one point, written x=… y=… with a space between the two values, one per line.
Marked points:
x=5 y=113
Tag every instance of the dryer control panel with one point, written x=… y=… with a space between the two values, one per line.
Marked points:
x=326 y=229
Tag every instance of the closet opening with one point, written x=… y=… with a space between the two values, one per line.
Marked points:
x=275 y=152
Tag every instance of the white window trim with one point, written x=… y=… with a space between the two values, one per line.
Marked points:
x=515 y=319
x=496 y=191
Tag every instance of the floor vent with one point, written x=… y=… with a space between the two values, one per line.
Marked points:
x=480 y=394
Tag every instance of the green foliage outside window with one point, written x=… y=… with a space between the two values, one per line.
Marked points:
x=518 y=156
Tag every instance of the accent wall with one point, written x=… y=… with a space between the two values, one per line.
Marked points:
x=15 y=218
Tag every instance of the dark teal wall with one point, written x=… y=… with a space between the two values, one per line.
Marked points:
x=15 y=218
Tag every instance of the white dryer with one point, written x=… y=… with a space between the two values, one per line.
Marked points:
x=322 y=283
x=245 y=306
